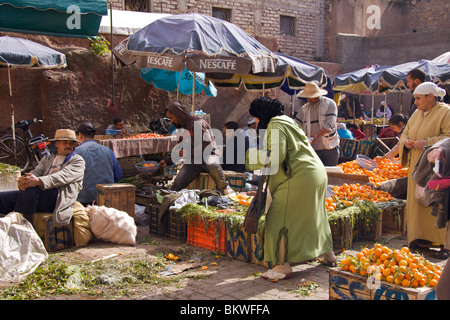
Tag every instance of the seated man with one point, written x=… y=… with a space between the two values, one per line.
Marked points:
x=118 y=124
x=53 y=186
x=196 y=162
x=101 y=164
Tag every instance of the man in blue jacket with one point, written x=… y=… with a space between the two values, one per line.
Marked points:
x=101 y=164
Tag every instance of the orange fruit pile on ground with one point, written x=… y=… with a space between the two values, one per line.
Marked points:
x=399 y=266
x=386 y=170
x=348 y=194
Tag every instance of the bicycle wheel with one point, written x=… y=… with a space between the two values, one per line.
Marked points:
x=23 y=154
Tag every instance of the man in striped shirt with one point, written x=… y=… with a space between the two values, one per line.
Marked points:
x=318 y=119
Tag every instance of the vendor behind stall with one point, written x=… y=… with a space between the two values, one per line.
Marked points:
x=118 y=124
x=181 y=119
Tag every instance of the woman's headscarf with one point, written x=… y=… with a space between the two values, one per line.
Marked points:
x=265 y=108
x=429 y=88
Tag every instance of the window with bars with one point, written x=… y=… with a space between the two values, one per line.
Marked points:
x=287 y=26
x=221 y=13
x=137 y=5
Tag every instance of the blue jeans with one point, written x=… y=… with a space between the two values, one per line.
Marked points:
x=28 y=202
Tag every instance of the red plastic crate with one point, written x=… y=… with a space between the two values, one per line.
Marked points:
x=214 y=237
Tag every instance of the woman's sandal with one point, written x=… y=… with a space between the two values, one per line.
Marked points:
x=275 y=276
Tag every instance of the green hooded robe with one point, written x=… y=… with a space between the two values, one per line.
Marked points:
x=298 y=189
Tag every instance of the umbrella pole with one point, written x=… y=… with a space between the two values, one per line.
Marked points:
x=112 y=56
x=193 y=92
x=373 y=102
x=178 y=85
x=13 y=128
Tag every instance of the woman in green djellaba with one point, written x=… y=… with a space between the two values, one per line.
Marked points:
x=296 y=224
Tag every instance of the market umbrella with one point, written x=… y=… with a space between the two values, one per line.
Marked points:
x=291 y=71
x=18 y=52
x=444 y=58
x=198 y=42
x=181 y=81
x=361 y=81
x=380 y=80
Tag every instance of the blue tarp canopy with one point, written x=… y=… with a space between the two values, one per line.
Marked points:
x=75 y=18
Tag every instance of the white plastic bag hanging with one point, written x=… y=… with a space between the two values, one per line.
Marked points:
x=22 y=250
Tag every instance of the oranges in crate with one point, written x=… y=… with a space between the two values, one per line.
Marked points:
x=347 y=194
x=399 y=266
x=385 y=170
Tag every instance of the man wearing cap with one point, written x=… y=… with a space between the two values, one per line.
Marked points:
x=53 y=186
x=102 y=166
x=318 y=118
x=429 y=124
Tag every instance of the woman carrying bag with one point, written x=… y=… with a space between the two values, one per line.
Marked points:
x=296 y=226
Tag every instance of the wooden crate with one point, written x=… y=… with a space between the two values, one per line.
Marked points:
x=372 y=232
x=204 y=181
x=342 y=233
x=120 y=196
x=238 y=244
x=153 y=211
x=345 y=285
x=147 y=195
x=54 y=238
x=176 y=228
x=394 y=219
x=338 y=179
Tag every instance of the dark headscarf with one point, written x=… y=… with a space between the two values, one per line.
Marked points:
x=265 y=108
x=186 y=121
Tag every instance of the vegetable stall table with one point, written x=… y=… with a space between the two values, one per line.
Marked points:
x=127 y=147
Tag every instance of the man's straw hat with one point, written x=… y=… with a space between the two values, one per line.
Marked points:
x=312 y=90
x=65 y=134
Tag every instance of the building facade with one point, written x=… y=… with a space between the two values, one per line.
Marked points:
x=294 y=27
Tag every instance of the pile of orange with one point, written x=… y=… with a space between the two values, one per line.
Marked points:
x=241 y=199
x=145 y=136
x=348 y=194
x=386 y=170
x=401 y=267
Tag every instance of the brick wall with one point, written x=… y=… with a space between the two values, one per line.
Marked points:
x=261 y=18
x=428 y=15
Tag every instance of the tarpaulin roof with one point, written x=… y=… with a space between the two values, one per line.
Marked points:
x=75 y=18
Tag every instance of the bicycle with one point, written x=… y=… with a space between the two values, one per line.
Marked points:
x=27 y=149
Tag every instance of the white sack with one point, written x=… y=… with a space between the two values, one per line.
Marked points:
x=22 y=250
x=112 y=225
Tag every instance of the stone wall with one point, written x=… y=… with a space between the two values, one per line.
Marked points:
x=409 y=30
